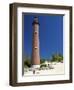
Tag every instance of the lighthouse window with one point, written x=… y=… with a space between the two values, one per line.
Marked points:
x=36 y=47
x=35 y=32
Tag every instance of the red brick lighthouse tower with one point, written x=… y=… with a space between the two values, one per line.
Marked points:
x=35 y=44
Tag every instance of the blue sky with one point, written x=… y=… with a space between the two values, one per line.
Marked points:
x=50 y=34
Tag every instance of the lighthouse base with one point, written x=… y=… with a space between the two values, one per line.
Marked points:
x=35 y=66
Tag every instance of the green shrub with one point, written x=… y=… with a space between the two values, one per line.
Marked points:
x=44 y=65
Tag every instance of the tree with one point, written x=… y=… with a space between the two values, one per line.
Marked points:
x=42 y=61
x=57 y=58
x=27 y=63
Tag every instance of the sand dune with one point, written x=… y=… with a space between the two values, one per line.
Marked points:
x=58 y=68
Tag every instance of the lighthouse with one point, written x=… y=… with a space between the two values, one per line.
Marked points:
x=35 y=44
